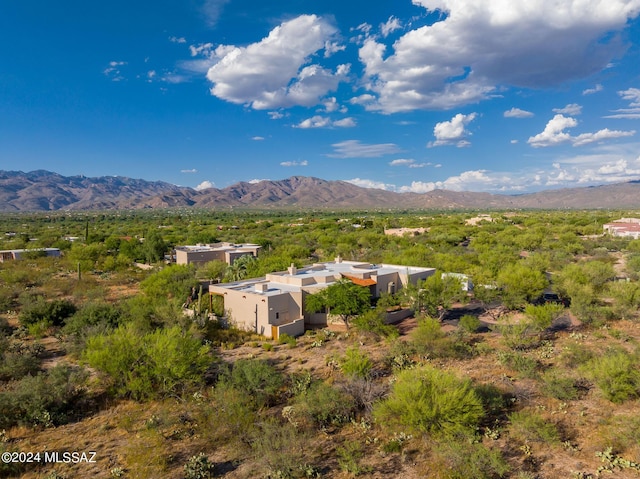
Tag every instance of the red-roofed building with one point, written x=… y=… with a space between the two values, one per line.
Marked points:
x=624 y=227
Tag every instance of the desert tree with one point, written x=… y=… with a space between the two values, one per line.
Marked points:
x=343 y=298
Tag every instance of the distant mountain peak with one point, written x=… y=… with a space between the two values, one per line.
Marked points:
x=43 y=190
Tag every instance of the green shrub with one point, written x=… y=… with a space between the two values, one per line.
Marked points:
x=277 y=447
x=143 y=366
x=258 y=379
x=428 y=331
x=576 y=354
x=494 y=401
x=562 y=386
x=172 y=283
x=10 y=469
x=322 y=405
x=464 y=459
x=355 y=363
x=470 y=323
x=18 y=360
x=47 y=399
x=430 y=401
x=373 y=322
x=520 y=334
x=230 y=418
x=429 y=340
x=53 y=312
x=349 y=458
x=543 y=315
x=104 y=315
x=616 y=374
x=526 y=366
x=621 y=432
x=527 y=426
x=288 y=340
x=8 y=296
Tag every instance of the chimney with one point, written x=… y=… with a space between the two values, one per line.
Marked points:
x=292 y=269
x=338 y=259
x=262 y=287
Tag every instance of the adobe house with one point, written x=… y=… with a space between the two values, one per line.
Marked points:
x=203 y=253
x=274 y=305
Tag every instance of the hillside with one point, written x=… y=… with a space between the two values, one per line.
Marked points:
x=46 y=191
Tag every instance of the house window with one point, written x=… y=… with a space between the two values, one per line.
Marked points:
x=391 y=288
x=277 y=315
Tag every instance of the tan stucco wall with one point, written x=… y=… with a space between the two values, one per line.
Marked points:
x=287 y=306
x=188 y=257
x=257 y=312
x=242 y=308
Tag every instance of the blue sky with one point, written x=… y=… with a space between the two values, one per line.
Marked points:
x=501 y=96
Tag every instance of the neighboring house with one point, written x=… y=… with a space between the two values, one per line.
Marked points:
x=625 y=227
x=465 y=282
x=203 y=253
x=275 y=304
x=15 y=254
x=405 y=231
x=478 y=220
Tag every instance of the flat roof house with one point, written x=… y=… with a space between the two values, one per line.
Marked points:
x=203 y=253
x=15 y=254
x=625 y=227
x=275 y=304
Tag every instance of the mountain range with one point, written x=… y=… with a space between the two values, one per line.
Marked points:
x=47 y=191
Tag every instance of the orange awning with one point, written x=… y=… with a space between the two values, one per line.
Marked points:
x=360 y=281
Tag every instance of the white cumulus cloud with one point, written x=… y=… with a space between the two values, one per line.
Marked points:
x=600 y=168
x=316 y=121
x=347 y=122
x=274 y=72
x=453 y=132
x=473 y=180
x=205 y=185
x=573 y=109
x=319 y=121
x=476 y=47
x=554 y=134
